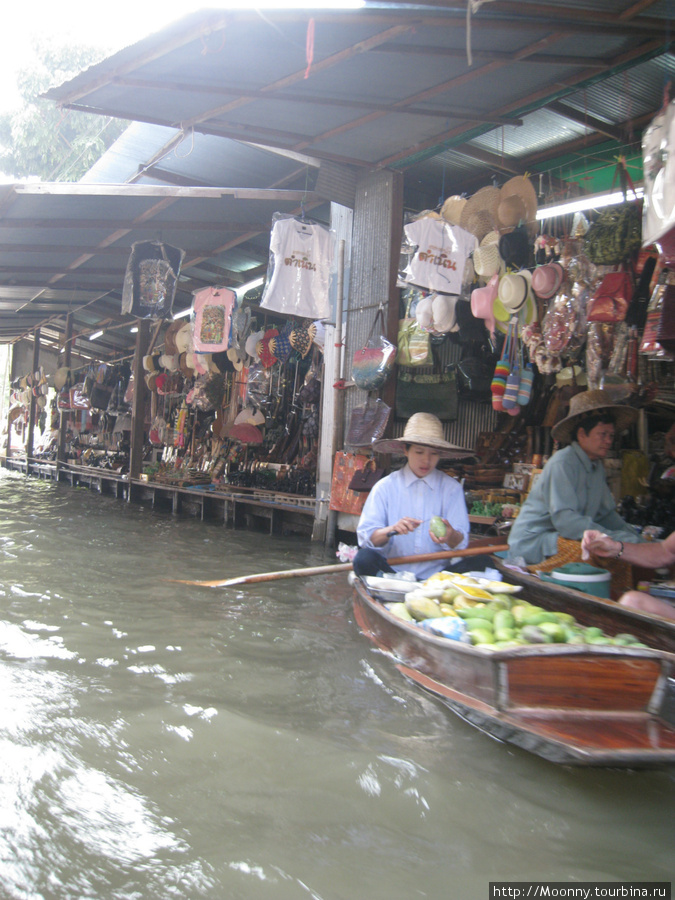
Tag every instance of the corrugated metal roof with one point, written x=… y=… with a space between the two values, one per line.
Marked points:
x=229 y=99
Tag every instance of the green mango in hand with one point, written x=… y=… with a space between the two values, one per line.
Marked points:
x=438 y=527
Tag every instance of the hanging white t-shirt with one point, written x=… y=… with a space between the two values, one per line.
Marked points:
x=441 y=254
x=300 y=280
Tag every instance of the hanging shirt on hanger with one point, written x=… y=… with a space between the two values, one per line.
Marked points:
x=212 y=308
x=441 y=254
x=300 y=279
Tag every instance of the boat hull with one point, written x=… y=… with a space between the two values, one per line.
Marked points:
x=571 y=704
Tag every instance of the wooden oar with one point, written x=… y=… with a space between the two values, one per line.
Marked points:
x=342 y=567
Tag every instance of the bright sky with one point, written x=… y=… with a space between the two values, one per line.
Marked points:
x=111 y=26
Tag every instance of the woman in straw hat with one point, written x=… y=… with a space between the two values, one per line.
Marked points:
x=396 y=517
x=572 y=494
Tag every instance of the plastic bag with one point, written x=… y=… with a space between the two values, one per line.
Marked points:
x=374 y=362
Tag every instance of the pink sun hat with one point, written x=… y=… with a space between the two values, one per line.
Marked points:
x=482 y=302
x=547 y=279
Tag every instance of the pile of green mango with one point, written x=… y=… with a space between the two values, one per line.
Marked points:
x=506 y=621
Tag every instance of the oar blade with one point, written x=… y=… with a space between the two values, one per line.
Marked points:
x=229 y=582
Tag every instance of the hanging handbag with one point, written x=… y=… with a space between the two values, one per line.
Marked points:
x=434 y=393
x=342 y=499
x=665 y=334
x=414 y=343
x=617 y=232
x=474 y=377
x=365 y=479
x=368 y=423
x=374 y=362
x=609 y=303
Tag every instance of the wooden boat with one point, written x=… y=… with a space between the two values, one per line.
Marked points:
x=574 y=704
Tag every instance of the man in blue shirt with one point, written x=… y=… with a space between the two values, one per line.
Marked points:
x=572 y=495
x=396 y=517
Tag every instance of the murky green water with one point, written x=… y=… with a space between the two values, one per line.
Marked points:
x=163 y=741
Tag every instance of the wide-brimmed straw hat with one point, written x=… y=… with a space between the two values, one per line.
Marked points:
x=452 y=209
x=479 y=215
x=517 y=203
x=487 y=260
x=426 y=430
x=587 y=402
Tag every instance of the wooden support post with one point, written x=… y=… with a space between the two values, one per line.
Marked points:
x=32 y=411
x=63 y=415
x=140 y=397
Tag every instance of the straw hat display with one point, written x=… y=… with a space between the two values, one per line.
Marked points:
x=444 y=316
x=587 y=402
x=487 y=260
x=517 y=203
x=424 y=429
x=453 y=208
x=170 y=337
x=479 y=215
x=183 y=338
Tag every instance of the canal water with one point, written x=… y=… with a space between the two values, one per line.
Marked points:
x=159 y=740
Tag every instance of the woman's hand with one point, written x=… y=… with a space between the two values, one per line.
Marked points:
x=451 y=538
x=404 y=526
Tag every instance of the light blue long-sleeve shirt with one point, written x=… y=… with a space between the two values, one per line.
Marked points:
x=570 y=496
x=404 y=494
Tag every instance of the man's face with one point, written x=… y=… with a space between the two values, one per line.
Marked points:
x=597 y=442
x=422 y=460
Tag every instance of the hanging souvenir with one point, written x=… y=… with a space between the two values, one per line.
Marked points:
x=150 y=279
x=212 y=310
x=301 y=257
x=440 y=255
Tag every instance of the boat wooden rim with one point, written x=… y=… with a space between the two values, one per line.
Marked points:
x=558 y=701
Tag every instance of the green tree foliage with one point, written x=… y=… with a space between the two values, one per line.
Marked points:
x=40 y=140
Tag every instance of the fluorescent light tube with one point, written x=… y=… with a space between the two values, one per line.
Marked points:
x=594 y=201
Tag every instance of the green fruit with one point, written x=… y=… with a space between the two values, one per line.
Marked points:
x=484 y=612
x=400 y=611
x=576 y=639
x=438 y=527
x=534 y=635
x=504 y=619
x=449 y=594
x=520 y=610
x=504 y=634
x=566 y=618
x=508 y=599
x=599 y=640
x=478 y=624
x=539 y=617
x=481 y=636
x=421 y=607
x=555 y=631
x=593 y=631
x=628 y=638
